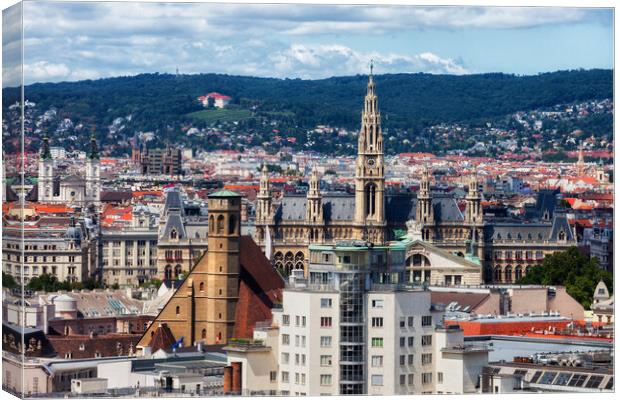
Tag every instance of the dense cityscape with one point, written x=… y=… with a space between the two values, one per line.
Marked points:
x=384 y=273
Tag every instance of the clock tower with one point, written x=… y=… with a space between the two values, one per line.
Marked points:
x=369 y=172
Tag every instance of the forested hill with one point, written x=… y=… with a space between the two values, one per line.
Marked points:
x=407 y=99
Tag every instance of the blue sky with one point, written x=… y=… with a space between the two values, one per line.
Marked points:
x=71 y=41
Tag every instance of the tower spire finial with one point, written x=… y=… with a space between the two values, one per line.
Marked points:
x=371 y=65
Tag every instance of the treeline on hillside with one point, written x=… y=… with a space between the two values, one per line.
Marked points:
x=407 y=101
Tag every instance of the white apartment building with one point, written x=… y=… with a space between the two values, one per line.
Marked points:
x=355 y=327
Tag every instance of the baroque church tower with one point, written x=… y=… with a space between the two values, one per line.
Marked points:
x=93 y=178
x=46 y=173
x=369 y=172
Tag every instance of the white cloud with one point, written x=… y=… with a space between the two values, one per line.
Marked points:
x=304 y=61
x=45 y=71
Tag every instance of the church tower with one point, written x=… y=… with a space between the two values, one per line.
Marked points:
x=581 y=168
x=314 y=208
x=46 y=173
x=425 y=215
x=369 y=172
x=473 y=208
x=222 y=272
x=93 y=177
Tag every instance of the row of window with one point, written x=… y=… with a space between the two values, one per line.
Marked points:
x=300 y=340
x=299 y=320
x=518 y=255
x=300 y=379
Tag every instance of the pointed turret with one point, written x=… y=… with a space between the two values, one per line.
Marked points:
x=314 y=209
x=263 y=198
x=424 y=209
x=474 y=210
x=46 y=173
x=93 y=173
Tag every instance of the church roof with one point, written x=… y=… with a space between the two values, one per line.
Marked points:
x=225 y=193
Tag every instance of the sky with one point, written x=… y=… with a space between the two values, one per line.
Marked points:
x=66 y=41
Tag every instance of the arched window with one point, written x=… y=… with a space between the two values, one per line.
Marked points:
x=202 y=286
x=220 y=224
x=177 y=271
x=508 y=274
x=178 y=310
x=518 y=273
x=211 y=224
x=418 y=261
x=562 y=235
x=173 y=234
x=168 y=272
x=232 y=224
x=370 y=195
x=497 y=274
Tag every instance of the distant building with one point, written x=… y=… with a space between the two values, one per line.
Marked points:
x=167 y=161
x=214 y=99
x=602 y=246
x=603 y=304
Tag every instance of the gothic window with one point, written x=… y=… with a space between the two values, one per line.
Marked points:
x=211 y=224
x=371 y=190
x=497 y=274
x=177 y=271
x=168 y=272
x=518 y=273
x=508 y=274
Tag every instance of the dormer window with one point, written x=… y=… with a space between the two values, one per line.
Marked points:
x=561 y=235
x=173 y=234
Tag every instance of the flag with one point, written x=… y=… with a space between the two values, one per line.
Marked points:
x=268 y=243
x=178 y=343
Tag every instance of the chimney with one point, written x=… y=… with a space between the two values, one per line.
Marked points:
x=236 y=377
x=227 y=379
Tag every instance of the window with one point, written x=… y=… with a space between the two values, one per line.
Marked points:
x=402 y=322
x=427 y=358
x=297 y=359
x=410 y=322
x=326 y=322
x=377 y=361
x=377 y=342
x=402 y=360
x=376 y=380
x=427 y=377
x=284 y=376
x=562 y=379
x=303 y=322
x=326 y=303
x=594 y=381
x=410 y=359
x=410 y=341
x=303 y=379
x=439 y=377
x=326 y=341
x=377 y=303
x=297 y=377
x=326 y=361
x=285 y=358
x=296 y=340
x=286 y=320
x=286 y=339
x=377 y=322
x=410 y=379
x=403 y=378
x=303 y=359
x=326 y=380
x=547 y=378
x=303 y=341
x=273 y=375
x=402 y=341
x=427 y=340
x=577 y=380
x=427 y=320
x=297 y=319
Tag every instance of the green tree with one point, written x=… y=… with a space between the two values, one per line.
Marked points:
x=8 y=281
x=572 y=269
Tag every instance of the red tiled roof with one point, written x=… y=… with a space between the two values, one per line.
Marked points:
x=162 y=338
x=217 y=95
